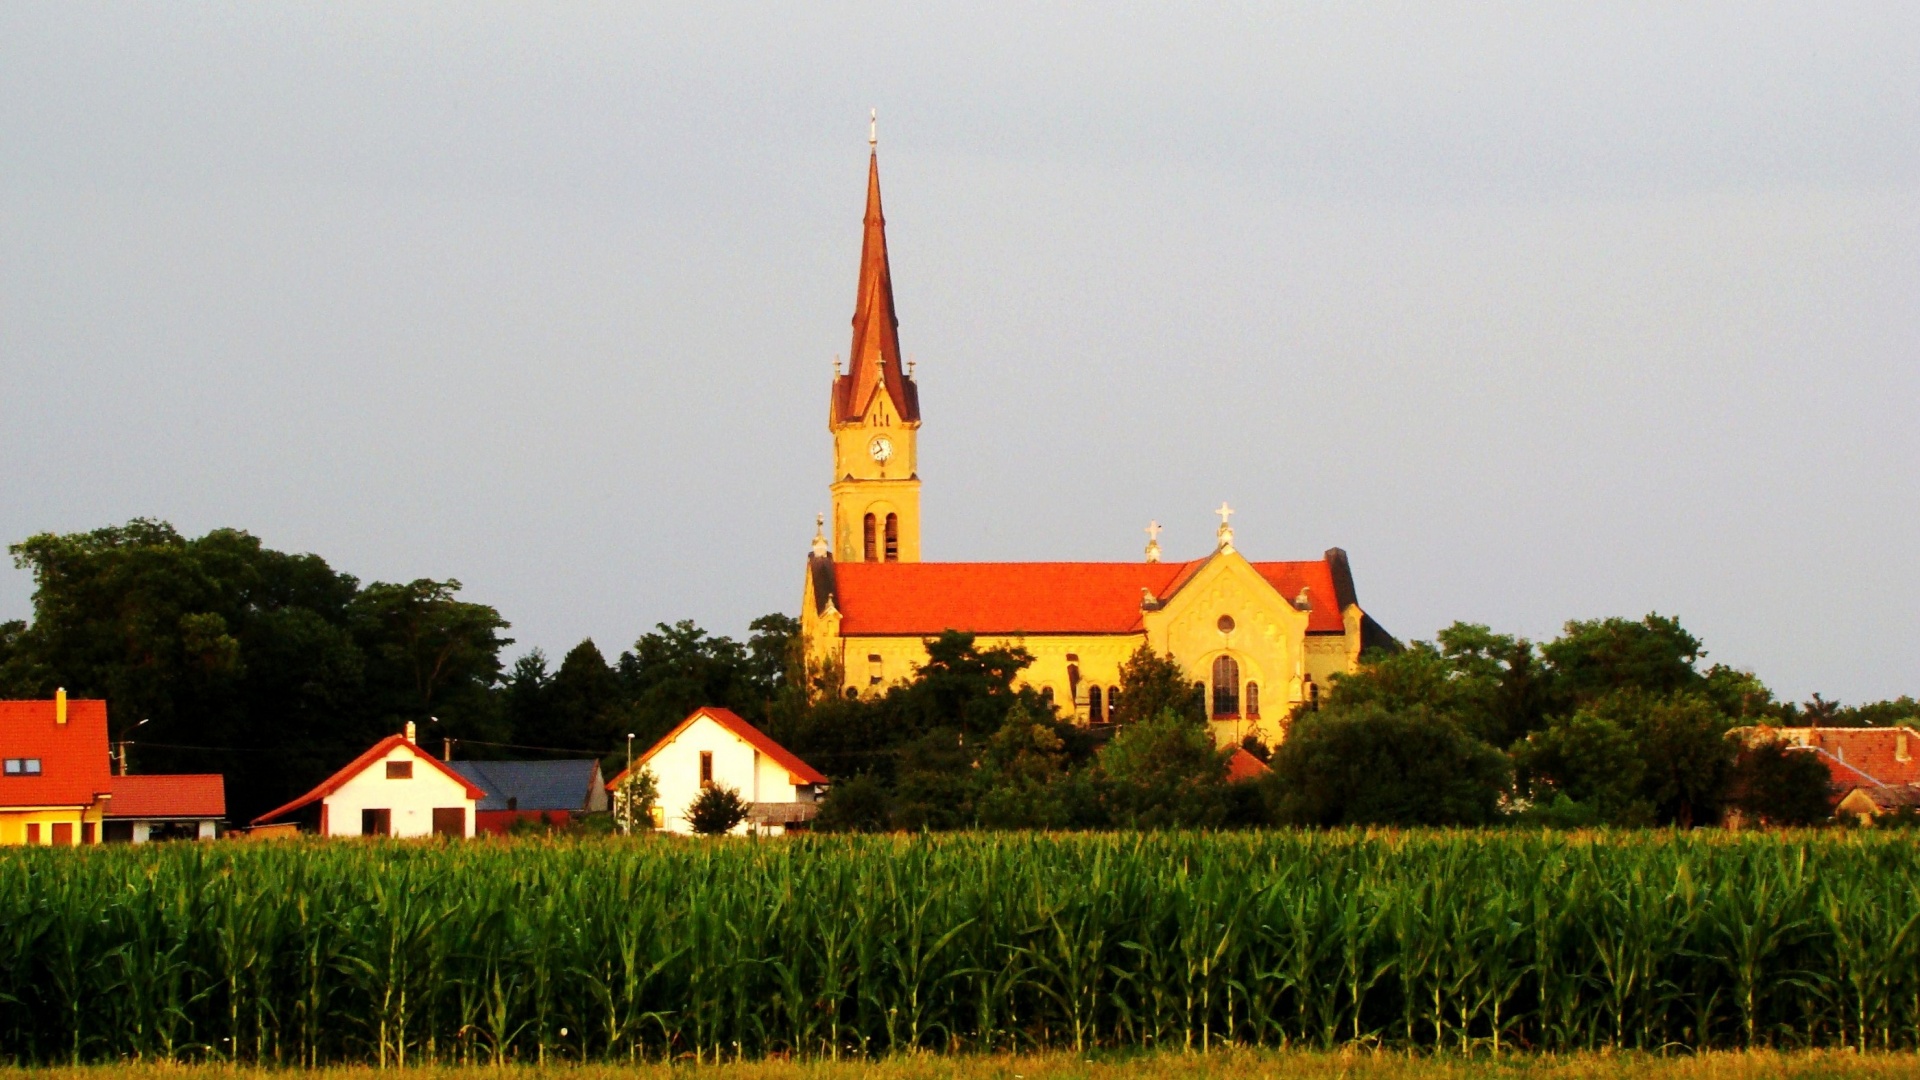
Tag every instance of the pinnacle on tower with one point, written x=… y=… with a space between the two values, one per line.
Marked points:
x=873 y=363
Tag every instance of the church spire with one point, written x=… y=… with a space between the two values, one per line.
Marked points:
x=874 y=360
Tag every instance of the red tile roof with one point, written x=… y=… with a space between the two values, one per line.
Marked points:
x=1244 y=766
x=1854 y=756
x=73 y=756
x=798 y=771
x=360 y=764
x=1039 y=598
x=180 y=795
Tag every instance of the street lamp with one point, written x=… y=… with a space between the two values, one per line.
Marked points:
x=628 y=809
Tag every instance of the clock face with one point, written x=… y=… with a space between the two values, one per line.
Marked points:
x=881 y=448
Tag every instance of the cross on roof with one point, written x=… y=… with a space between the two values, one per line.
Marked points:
x=1153 y=531
x=1225 y=512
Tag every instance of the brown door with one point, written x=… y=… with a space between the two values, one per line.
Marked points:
x=86 y=832
x=33 y=832
x=376 y=823
x=63 y=834
x=450 y=821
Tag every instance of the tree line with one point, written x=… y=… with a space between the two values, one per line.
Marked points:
x=218 y=654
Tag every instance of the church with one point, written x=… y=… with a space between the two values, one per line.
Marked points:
x=1262 y=638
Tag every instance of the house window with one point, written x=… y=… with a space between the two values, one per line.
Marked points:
x=399 y=770
x=376 y=823
x=33 y=832
x=86 y=832
x=1113 y=704
x=1095 y=712
x=873 y=669
x=872 y=550
x=706 y=768
x=23 y=766
x=893 y=537
x=1226 y=687
x=1253 y=699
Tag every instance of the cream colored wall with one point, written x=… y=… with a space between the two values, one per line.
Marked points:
x=862 y=486
x=412 y=801
x=13 y=824
x=736 y=764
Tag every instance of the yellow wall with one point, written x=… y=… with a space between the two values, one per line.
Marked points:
x=1268 y=640
x=862 y=485
x=13 y=824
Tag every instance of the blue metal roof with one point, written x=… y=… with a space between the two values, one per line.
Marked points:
x=537 y=785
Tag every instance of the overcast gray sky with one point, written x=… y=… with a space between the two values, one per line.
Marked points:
x=1540 y=311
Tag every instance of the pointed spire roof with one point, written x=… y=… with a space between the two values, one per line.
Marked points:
x=874 y=360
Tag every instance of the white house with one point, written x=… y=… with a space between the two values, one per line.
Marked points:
x=394 y=789
x=716 y=747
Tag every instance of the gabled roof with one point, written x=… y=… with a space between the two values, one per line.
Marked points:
x=359 y=765
x=798 y=772
x=177 y=795
x=1039 y=598
x=1244 y=766
x=1851 y=753
x=73 y=755
x=873 y=361
x=533 y=785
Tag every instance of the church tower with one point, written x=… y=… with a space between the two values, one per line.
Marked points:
x=874 y=415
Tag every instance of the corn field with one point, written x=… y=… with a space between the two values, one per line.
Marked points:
x=395 y=953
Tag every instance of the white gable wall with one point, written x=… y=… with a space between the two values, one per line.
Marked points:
x=411 y=802
x=736 y=764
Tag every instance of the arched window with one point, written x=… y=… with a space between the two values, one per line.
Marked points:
x=1226 y=687
x=1113 y=704
x=874 y=669
x=893 y=537
x=1253 y=700
x=1094 y=713
x=872 y=550
x=1073 y=681
x=1046 y=694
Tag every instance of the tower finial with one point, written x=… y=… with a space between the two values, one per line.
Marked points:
x=819 y=535
x=1153 y=541
x=1226 y=531
x=873 y=128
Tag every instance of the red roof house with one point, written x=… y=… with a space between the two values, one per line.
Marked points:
x=717 y=747
x=165 y=806
x=393 y=789
x=55 y=782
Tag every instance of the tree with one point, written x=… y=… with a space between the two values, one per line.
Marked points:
x=586 y=707
x=1019 y=779
x=1777 y=786
x=718 y=811
x=1592 y=659
x=635 y=799
x=856 y=805
x=1492 y=686
x=1164 y=773
x=285 y=667
x=1683 y=745
x=1587 y=760
x=1152 y=683
x=1374 y=766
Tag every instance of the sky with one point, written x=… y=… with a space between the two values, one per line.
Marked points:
x=1542 y=312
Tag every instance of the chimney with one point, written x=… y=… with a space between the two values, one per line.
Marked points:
x=409 y=731
x=60 y=705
